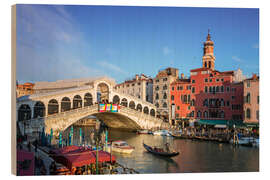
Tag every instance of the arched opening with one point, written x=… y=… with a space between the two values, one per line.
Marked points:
x=132 y=104
x=152 y=112
x=139 y=107
x=77 y=102
x=124 y=102
x=88 y=99
x=65 y=104
x=145 y=110
x=157 y=105
x=102 y=93
x=39 y=109
x=209 y=64
x=248 y=98
x=24 y=112
x=53 y=107
x=198 y=114
x=205 y=64
x=116 y=99
x=164 y=105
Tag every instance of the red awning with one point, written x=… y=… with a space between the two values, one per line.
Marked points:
x=25 y=163
x=80 y=156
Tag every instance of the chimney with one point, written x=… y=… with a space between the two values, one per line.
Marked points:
x=182 y=76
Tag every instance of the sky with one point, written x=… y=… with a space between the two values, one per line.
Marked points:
x=56 y=42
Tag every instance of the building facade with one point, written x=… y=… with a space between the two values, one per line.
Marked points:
x=140 y=86
x=161 y=91
x=208 y=94
x=24 y=89
x=251 y=100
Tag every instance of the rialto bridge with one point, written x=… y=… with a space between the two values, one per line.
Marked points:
x=61 y=108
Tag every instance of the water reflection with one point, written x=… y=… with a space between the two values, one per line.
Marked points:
x=194 y=156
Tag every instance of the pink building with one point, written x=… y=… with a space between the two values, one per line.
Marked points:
x=251 y=100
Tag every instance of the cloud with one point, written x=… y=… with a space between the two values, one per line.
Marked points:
x=112 y=67
x=237 y=59
x=166 y=50
x=255 y=46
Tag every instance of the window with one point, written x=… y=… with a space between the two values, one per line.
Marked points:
x=210 y=89
x=217 y=80
x=248 y=83
x=193 y=81
x=181 y=87
x=222 y=79
x=217 y=89
x=157 y=96
x=257 y=115
x=128 y=85
x=248 y=113
x=199 y=114
x=205 y=89
x=177 y=115
x=178 y=107
x=228 y=89
x=165 y=87
x=205 y=114
x=165 y=79
x=185 y=98
x=188 y=98
x=192 y=114
x=172 y=88
x=133 y=84
x=164 y=105
x=248 y=98
x=192 y=103
x=157 y=88
x=164 y=96
x=157 y=80
x=205 y=80
x=140 y=83
x=222 y=103
x=222 y=114
x=178 y=88
x=228 y=103
x=210 y=80
x=157 y=105
x=193 y=89
x=205 y=102
x=172 y=97
x=221 y=88
x=258 y=99
x=233 y=97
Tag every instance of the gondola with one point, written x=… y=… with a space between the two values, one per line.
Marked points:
x=161 y=152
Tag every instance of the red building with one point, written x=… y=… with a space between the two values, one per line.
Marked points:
x=208 y=95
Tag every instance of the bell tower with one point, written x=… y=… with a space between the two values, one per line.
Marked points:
x=208 y=53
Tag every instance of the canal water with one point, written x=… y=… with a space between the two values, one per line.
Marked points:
x=194 y=156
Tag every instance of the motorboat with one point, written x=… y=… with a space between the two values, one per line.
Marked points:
x=144 y=131
x=121 y=147
x=160 y=151
x=162 y=133
x=246 y=141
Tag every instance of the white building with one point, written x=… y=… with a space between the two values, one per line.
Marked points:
x=141 y=87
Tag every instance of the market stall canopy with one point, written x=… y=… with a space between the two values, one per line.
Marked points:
x=219 y=122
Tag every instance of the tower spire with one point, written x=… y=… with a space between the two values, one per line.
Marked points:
x=208 y=54
x=208 y=36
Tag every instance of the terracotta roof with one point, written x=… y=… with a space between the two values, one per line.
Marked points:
x=200 y=69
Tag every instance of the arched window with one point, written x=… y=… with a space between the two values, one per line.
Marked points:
x=248 y=115
x=164 y=105
x=192 y=103
x=88 y=99
x=222 y=103
x=205 y=102
x=152 y=112
x=222 y=114
x=206 y=89
x=77 y=102
x=205 y=64
x=53 y=107
x=139 y=107
x=124 y=102
x=164 y=96
x=132 y=105
x=157 y=96
x=221 y=88
x=172 y=97
x=185 y=98
x=198 y=114
x=165 y=87
x=39 y=109
x=24 y=112
x=146 y=110
x=65 y=104
x=205 y=114
x=209 y=64
x=157 y=105
x=217 y=89
x=116 y=99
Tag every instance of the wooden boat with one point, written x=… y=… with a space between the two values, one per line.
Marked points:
x=179 y=136
x=144 y=131
x=121 y=147
x=159 y=151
